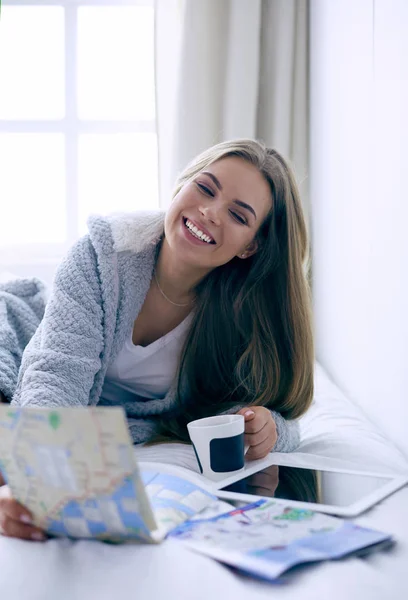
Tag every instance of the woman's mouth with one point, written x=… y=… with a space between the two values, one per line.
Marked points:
x=194 y=236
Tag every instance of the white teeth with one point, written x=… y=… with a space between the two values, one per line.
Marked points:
x=198 y=233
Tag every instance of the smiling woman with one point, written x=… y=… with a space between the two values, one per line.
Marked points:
x=210 y=204
x=146 y=316
x=250 y=343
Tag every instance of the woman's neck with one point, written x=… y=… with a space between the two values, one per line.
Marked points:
x=175 y=278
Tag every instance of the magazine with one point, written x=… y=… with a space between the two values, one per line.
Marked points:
x=75 y=469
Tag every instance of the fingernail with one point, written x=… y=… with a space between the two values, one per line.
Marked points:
x=249 y=413
x=38 y=536
x=26 y=519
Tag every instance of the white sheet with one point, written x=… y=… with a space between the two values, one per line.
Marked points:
x=335 y=427
x=333 y=432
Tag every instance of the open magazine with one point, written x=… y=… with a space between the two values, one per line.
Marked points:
x=75 y=469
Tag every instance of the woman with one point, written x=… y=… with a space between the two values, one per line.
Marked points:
x=201 y=310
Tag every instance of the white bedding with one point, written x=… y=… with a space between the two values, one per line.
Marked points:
x=333 y=432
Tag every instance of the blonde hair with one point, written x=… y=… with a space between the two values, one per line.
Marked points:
x=251 y=339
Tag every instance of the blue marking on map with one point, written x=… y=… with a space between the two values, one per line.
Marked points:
x=348 y=538
x=75 y=509
x=173 y=483
x=90 y=503
x=320 y=546
x=97 y=528
x=129 y=519
x=14 y=416
x=126 y=489
x=72 y=509
x=37 y=416
x=56 y=528
x=29 y=470
x=148 y=476
x=168 y=503
x=288 y=556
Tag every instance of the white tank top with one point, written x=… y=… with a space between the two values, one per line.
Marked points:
x=145 y=371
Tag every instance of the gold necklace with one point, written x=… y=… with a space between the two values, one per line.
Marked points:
x=168 y=299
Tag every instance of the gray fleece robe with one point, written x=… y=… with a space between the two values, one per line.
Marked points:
x=98 y=292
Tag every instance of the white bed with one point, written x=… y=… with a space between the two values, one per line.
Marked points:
x=333 y=432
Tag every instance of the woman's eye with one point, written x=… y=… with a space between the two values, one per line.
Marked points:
x=239 y=218
x=205 y=189
x=209 y=192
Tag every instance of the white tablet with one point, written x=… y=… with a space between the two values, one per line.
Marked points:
x=330 y=490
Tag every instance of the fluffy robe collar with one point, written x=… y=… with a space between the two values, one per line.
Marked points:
x=135 y=230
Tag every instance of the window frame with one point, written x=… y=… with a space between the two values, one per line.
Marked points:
x=71 y=127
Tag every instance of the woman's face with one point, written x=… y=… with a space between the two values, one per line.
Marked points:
x=228 y=201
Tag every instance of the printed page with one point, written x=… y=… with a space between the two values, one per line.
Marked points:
x=268 y=537
x=173 y=499
x=74 y=469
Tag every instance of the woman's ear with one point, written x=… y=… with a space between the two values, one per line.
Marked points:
x=249 y=250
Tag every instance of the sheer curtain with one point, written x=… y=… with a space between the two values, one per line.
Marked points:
x=227 y=70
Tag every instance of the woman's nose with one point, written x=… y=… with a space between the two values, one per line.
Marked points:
x=211 y=214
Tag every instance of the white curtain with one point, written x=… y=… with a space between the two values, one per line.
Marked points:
x=229 y=69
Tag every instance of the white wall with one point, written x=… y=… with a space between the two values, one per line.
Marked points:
x=45 y=272
x=359 y=133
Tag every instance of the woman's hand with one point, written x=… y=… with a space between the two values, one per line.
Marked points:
x=15 y=519
x=260 y=431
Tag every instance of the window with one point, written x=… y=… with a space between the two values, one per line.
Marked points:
x=77 y=120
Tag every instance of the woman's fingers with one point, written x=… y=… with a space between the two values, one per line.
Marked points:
x=14 y=529
x=259 y=450
x=254 y=439
x=10 y=506
x=12 y=514
x=255 y=425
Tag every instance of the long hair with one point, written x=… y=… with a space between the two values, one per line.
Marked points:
x=251 y=338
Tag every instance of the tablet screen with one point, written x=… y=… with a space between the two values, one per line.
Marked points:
x=308 y=485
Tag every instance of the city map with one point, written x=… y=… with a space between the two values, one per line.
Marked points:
x=75 y=470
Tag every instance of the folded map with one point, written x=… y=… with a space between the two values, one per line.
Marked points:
x=75 y=469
